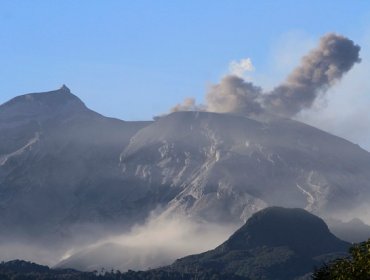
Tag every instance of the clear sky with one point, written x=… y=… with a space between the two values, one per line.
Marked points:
x=135 y=59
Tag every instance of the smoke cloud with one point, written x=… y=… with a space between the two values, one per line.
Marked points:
x=321 y=68
x=189 y=104
x=233 y=94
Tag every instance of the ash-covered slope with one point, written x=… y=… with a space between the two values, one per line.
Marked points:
x=225 y=167
x=59 y=166
x=275 y=243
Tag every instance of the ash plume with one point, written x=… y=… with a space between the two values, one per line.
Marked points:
x=319 y=70
x=233 y=94
x=189 y=104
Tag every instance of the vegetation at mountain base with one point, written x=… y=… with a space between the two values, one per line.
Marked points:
x=22 y=270
x=354 y=267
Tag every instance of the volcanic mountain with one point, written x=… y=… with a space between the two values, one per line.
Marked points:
x=65 y=169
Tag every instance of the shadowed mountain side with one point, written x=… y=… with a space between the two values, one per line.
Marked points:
x=275 y=243
x=59 y=166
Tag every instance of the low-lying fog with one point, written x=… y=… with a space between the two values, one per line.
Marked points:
x=159 y=241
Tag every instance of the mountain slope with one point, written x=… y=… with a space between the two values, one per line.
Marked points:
x=59 y=165
x=275 y=243
x=67 y=172
x=226 y=167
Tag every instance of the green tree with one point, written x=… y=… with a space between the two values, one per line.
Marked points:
x=355 y=267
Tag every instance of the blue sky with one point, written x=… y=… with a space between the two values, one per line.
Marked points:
x=135 y=59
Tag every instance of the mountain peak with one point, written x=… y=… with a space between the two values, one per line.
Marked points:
x=43 y=104
x=65 y=89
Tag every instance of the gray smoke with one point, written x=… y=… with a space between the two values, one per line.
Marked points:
x=319 y=70
x=189 y=104
x=233 y=94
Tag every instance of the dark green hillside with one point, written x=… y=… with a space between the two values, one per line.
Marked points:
x=275 y=243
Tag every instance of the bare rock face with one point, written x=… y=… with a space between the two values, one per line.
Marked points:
x=225 y=167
